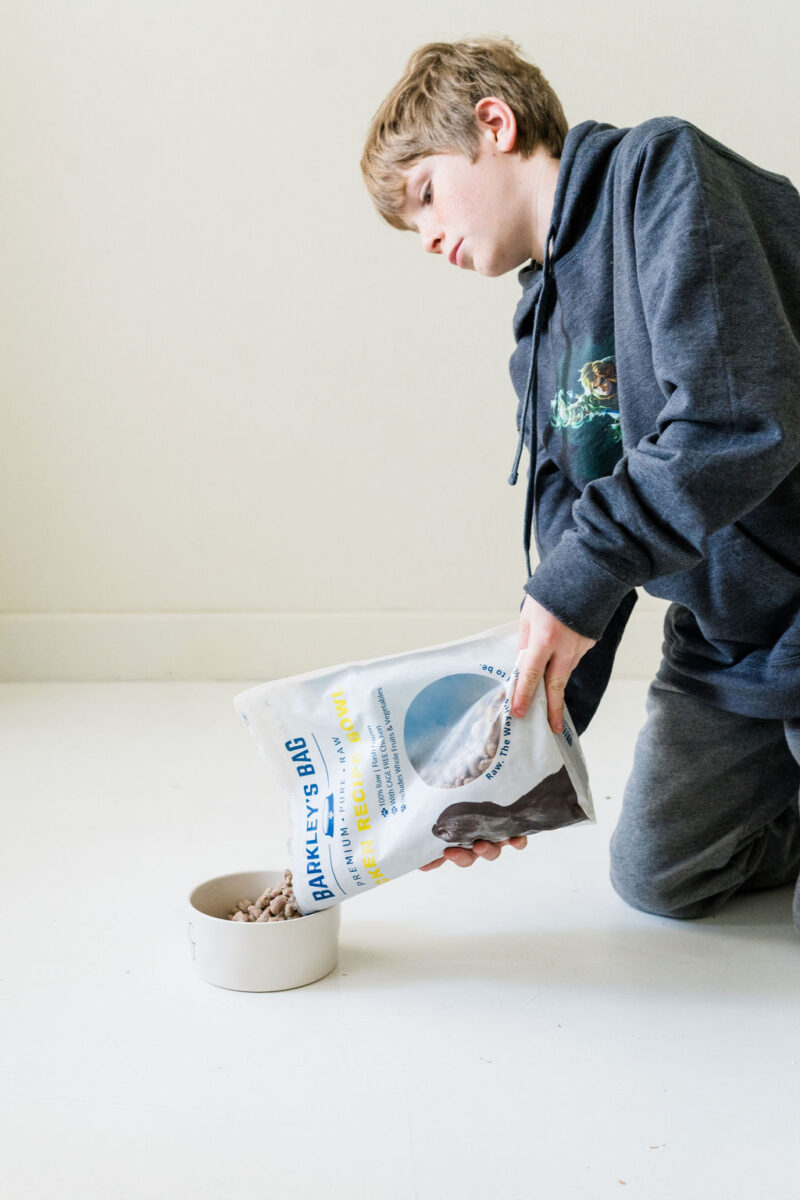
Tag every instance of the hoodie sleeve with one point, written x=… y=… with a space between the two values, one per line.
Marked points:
x=724 y=416
x=589 y=680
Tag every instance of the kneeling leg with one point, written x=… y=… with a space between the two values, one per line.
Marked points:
x=710 y=808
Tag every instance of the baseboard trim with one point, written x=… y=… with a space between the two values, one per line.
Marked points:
x=235 y=646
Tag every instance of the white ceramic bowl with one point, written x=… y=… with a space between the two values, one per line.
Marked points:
x=251 y=956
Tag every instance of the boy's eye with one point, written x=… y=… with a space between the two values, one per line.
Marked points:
x=427 y=196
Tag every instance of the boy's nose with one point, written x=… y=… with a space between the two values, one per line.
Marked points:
x=433 y=243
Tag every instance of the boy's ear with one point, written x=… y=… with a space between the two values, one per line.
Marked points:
x=495 y=116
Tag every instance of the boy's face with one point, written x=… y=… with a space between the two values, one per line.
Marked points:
x=481 y=211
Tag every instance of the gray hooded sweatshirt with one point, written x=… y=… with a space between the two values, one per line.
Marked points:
x=658 y=374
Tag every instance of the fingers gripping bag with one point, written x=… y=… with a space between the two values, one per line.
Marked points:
x=386 y=763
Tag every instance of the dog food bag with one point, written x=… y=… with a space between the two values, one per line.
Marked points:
x=387 y=762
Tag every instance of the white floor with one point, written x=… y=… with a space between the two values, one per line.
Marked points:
x=509 y=1030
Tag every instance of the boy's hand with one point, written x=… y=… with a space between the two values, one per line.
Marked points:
x=553 y=650
x=463 y=857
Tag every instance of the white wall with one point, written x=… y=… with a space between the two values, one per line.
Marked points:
x=247 y=429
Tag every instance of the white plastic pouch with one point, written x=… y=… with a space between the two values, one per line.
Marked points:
x=385 y=763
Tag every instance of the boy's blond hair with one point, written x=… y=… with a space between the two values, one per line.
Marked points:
x=431 y=110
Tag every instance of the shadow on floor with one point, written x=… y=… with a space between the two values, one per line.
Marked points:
x=748 y=949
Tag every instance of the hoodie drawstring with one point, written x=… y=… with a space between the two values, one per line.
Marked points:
x=548 y=284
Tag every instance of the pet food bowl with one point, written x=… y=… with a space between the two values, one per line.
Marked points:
x=257 y=956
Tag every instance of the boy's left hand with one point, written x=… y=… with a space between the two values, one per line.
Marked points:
x=553 y=650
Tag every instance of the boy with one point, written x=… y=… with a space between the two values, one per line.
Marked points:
x=658 y=374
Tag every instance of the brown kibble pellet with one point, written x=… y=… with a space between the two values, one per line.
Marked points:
x=243 y=905
x=239 y=916
x=277 y=905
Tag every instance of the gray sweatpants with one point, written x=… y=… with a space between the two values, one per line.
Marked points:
x=710 y=809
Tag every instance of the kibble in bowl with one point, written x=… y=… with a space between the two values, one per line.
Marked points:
x=276 y=903
x=270 y=945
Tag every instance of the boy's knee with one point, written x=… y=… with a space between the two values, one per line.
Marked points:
x=651 y=887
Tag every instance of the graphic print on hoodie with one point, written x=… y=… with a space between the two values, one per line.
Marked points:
x=585 y=412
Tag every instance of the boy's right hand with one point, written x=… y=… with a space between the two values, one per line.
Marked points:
x=462 y=857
